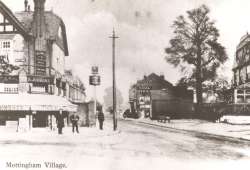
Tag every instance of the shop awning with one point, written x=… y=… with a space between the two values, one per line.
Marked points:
x=35 y=102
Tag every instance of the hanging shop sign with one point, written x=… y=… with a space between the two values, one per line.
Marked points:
x=94 y=80
x=94 y=70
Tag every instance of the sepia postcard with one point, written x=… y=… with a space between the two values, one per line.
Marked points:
x=124 y=84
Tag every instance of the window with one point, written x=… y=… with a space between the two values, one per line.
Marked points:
x=6 y=44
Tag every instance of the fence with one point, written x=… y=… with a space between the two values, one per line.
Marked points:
x=213 y=111
x=176 y=109
x=179 y=109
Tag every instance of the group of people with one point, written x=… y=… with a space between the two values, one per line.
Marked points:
x=74 y=118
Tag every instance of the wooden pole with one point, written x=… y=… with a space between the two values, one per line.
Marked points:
x=114 y=81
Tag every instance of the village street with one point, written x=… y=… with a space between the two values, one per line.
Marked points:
x=146 y=146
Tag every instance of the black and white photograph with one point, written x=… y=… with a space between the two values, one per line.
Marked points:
x=124 y=84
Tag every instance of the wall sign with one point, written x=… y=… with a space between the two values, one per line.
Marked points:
x=36 y=79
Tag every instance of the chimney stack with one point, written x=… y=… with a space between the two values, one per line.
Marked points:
x=162 y=76
x=39 y=27
x=39 y=17
x=25 y=5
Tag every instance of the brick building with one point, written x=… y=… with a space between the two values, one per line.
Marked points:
x=241 y=71
x=153 y=95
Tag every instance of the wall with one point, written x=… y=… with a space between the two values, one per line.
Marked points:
x=58 y=59
x=166 y=94
x=16 y=50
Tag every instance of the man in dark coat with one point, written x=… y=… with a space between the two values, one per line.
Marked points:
x=74 y=120
x=100 y=117
x=60 y=122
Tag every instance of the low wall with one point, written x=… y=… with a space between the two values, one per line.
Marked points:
x=232 y=119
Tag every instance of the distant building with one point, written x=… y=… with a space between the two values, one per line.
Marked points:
x=34 y=45
x=153 y=95
x=241 y=71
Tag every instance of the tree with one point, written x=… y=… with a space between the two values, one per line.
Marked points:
x=195 y=48
x=108 y=98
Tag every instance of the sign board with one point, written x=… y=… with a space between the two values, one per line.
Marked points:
x=9 y=79
x=12 y=124
x=20 y=60
x=12 y=107
x=40 y=64
x=94 y=80
x=23 y=124
x=22 y=76
x=39 y=79
x=94 y=70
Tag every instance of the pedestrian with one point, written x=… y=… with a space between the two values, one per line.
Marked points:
x=74 y=120
x=100 y=118
x=60 y=122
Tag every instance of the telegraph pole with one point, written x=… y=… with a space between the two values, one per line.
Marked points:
x=114 y=80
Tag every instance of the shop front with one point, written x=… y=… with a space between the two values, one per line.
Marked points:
x=33 y=110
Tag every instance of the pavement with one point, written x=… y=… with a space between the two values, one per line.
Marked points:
x=202 y=126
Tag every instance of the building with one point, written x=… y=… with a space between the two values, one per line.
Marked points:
x=153 y=95
x=33 y=79
x=241 y=71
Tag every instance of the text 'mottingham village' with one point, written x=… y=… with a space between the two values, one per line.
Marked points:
x=49 y=165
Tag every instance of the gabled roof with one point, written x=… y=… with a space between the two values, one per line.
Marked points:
x=154 y=82
x=22 y=21
x=53 y=23
x=12 y=18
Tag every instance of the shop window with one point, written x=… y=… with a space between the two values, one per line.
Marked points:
x=240 y=99
x=240 y=92
x=248 y=99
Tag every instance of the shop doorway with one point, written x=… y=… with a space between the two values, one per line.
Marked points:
x=40 y=119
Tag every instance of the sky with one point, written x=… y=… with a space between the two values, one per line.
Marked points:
x=144 y=30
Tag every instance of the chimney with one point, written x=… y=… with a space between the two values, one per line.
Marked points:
x=25 y=5
x=162 y=77
x=39 y=27
x=39 y=17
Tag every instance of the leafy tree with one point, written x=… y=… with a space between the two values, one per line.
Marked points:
x=108 y=98
x=195 y=48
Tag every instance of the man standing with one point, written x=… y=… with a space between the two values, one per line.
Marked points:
x=60 y=122
x=74 y=120
x=100 y=118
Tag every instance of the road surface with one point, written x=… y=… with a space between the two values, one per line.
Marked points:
x=134 y=146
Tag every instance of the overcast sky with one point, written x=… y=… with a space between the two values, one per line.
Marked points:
x=144 y=28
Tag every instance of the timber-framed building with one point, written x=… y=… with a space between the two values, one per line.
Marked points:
x=33 y=82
